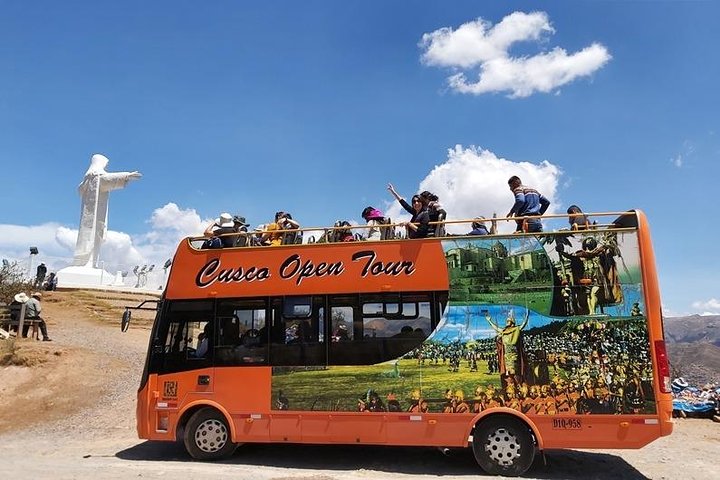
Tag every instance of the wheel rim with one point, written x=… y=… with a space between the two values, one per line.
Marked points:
x=503 y=447
x=211 y=435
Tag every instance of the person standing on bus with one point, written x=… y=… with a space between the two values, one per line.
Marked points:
x=418 y=226
x=528 y=202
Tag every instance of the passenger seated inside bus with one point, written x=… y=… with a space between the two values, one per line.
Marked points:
x=405 y=331
x=204 y=341
x=297 y=332
x=341 y=333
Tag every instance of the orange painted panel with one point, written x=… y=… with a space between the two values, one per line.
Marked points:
x=351 y=267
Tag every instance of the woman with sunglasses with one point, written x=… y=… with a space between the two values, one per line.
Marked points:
x=418 y=226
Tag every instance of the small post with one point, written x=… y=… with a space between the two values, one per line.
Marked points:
x=21 y=321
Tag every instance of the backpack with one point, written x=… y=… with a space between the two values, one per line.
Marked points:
x=213 y=242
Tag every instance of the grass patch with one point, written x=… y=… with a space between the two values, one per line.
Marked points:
x=13 y=354
x=339 y=388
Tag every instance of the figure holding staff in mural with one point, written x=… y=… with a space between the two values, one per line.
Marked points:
x=511 y=354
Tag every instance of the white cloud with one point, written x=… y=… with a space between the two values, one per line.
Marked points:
x=473 y=182
x=479 y=45
x=120 y=251
x=677 y=161
x=708 y=307
x=16 y=240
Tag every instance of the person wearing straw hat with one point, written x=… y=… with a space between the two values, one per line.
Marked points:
x=32 y=312
x=220 y=229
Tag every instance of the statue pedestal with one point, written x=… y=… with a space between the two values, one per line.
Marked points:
x=83 y=277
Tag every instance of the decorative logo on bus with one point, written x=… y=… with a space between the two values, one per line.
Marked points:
x=296 y=269
x=170 y=389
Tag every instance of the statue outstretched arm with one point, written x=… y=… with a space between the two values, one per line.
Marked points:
x=115 y=180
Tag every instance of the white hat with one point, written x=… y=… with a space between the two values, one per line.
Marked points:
x=21 y=297
x=225 y=221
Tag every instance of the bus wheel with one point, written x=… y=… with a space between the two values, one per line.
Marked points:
x=503 y=446
x=207 y=435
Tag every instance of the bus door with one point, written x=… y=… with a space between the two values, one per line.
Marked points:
x=242 y=372
x=298 y=346
x=183 y=355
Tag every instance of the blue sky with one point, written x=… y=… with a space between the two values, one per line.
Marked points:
x=313 y=107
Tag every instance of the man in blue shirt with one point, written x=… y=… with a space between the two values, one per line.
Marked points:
x=528 y=202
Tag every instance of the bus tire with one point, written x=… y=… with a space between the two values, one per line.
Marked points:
x=503 y=445
x=207 y=435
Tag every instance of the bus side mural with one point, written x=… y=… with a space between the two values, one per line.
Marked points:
x=545 y=325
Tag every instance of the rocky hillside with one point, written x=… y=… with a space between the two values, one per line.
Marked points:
x=694 y=347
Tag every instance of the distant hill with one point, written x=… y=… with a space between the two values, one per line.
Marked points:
x=693 y=344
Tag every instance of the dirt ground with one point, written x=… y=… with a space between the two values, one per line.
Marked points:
x=68 y=412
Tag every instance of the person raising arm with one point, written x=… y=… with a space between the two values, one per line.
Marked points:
x=418 y=226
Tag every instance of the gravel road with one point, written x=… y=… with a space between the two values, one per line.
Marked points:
x=75 y=419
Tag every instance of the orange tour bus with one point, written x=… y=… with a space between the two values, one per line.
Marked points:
x=507 y=344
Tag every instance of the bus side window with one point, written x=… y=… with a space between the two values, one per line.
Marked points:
x=297 y=332
x=241 y=335
x=402 y=328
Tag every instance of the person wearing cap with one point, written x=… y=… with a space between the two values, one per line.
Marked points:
x=375 y=220
x=221 y=228
x=479 y=227
x=240 y=226
x=32 y=312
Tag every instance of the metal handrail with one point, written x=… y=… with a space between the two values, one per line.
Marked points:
x=469 y=221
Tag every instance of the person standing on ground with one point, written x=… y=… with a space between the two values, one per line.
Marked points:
x=528 y=202
x=32 y=312
x=40 y=275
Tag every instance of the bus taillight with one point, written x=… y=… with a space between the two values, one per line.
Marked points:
x=663 y=366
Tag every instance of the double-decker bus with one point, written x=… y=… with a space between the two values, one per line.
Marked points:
x=505 y=344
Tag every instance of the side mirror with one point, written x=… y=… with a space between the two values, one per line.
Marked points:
x=125 y=323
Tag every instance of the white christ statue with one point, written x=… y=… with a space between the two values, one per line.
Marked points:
x=94 y=191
